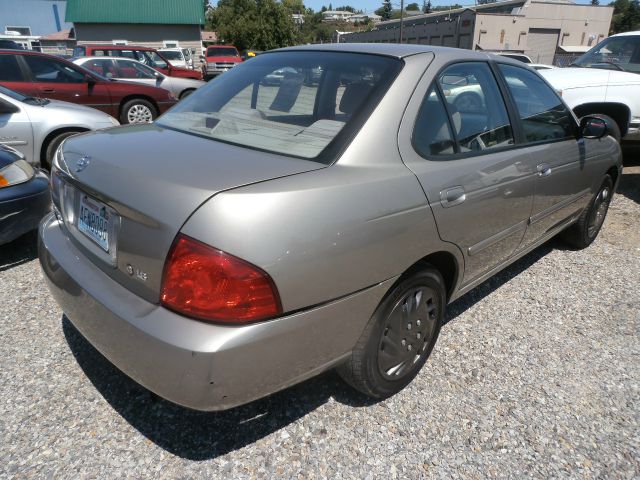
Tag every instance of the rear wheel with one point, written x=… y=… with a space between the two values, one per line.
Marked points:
x=53 y=145
x=138 y=110
x=399 y=336
x=582 y=233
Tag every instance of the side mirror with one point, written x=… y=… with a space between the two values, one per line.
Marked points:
x=90 y=80
x=593 y=127
x=7 y=107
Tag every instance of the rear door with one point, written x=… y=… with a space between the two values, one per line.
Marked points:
x=564 y=171
x=457 y=137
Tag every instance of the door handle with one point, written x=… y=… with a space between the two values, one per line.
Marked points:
x=48 y=90
x=544 y=170
x=452 y=196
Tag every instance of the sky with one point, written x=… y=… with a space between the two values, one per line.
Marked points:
x=371 y=5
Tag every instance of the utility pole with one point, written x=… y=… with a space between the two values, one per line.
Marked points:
x=401 y=18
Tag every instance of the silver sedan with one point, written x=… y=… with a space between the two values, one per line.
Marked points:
x=258 y=234
x=134 y=71
x=37 y=126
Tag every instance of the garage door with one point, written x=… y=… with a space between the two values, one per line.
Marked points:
x=448 y=41
x=542 y=44
x=464 y=41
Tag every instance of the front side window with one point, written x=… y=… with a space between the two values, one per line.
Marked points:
x=45 y=70
x=293 y=103
x=544 y=117
x=9 y=69
x=616 y=53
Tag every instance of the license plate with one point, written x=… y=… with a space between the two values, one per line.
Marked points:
x=93 y=221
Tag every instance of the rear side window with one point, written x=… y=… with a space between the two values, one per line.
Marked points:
x=544 y=117
x=9 y=69
x=477 y=109
x=475 y=118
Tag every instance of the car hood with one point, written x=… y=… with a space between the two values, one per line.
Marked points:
x=155 y=178
x=564 y=78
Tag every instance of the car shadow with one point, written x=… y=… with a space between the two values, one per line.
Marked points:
x=204 y=435
x=19 y=251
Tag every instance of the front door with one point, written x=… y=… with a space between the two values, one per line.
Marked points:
x=563 y=167
x=15 y=127
x=458 y=139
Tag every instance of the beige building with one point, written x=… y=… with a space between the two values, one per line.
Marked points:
x=537 y=28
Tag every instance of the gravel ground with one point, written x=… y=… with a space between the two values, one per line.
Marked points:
x=536 y=374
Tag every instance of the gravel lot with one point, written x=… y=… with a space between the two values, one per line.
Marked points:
x=536 y=374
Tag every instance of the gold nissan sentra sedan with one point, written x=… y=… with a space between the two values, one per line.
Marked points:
x=261 y=232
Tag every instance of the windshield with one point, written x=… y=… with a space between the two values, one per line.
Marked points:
x=617 y=53
x=171 y=55
x=222 y=52
x=12 y=94
x=293 y=103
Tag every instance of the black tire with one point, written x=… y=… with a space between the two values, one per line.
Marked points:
x=186 y=93
x=139 y=108
x=53 y=145
x=404 y=328
x=582 y=233
x=612 y=126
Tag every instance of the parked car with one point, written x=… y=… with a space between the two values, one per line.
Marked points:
x=220 y=59
x=605 y=81
x=521 y=57
x=39 y=75
x=131 y=70
x=148 y=56
x=24 y=195
x=10 y=44
x=253 y=237
x=36 y=126
x=178 y=57
x=541 y=66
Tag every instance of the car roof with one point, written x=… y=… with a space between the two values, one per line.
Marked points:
x=398 y=50
x=117 y=47
x=627 y=34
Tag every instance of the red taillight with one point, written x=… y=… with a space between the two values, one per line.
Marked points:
x=203 y=282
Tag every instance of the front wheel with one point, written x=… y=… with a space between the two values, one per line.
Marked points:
x=138 y=110
x=582 y=233
x=399 y=336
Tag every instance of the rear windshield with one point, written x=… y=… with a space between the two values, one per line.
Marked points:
x=222 y=52
x=302 y=104
x=171 y=54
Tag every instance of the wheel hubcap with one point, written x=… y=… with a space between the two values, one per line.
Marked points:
x=407 y=333
x=139 y=114
x=600 y=207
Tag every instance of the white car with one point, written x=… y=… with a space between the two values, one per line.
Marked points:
x=37 y=126
x=178 y=57
x=605 y=81
x=121 y=68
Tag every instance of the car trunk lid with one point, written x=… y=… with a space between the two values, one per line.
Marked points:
x=153 y=179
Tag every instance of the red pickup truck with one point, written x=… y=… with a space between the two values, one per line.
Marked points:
x=219 y=59
x=148 y=56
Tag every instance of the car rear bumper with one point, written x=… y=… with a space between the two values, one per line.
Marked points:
x=23 y=206
x=192 y=363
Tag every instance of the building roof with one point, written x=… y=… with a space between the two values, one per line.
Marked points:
x=61 y=35
x=176 y=12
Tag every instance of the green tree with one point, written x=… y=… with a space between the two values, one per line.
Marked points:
x=626 y=16
x=385 y=10
x=294 y=6
x=259 y=24
x=595 y=2
x=413 y=7
x=426 y=6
